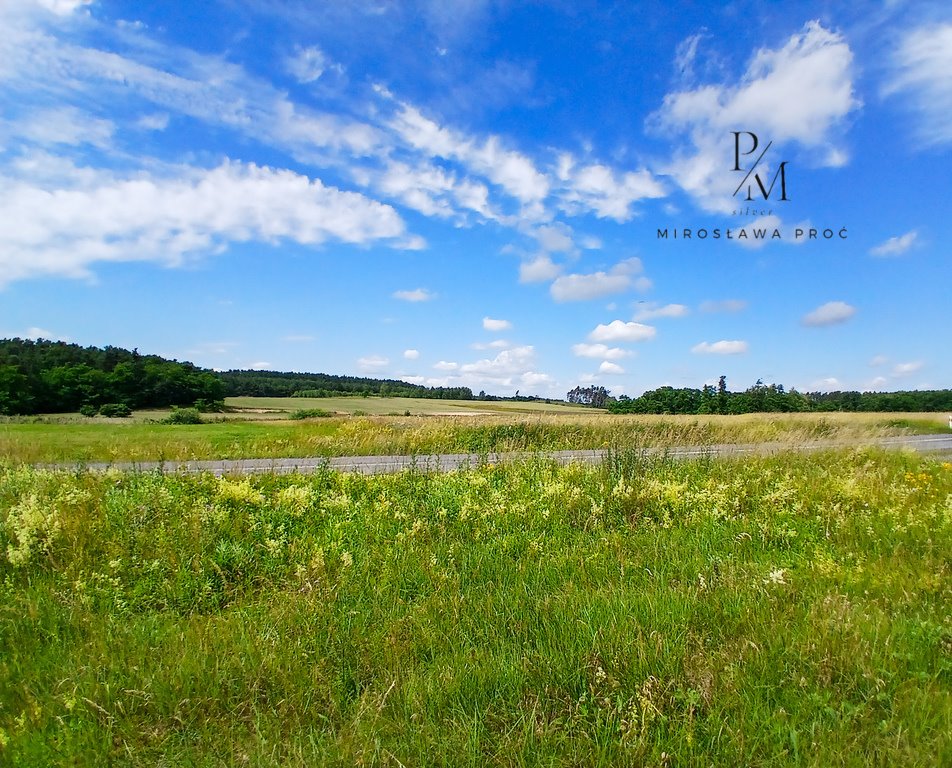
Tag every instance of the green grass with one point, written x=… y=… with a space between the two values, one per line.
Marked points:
x=773 y=611
x=384 y=406
x=135 y=440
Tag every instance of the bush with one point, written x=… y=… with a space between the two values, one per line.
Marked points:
x=114 y=410
x=209 y=406
x=88 y=410
x=183 y=416
x=309 y=413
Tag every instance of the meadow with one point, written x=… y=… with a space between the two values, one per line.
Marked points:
x=784 y=610
x=74 y=439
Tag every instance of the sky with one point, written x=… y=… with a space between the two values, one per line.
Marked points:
x=505 y=195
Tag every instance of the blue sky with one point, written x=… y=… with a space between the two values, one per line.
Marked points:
x=469 y=192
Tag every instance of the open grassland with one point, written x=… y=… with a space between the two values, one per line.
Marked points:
x=395 y=406
x=774 y=611
x=119 y=440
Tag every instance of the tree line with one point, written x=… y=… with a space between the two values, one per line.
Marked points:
x=774 y=398
x=57 y=377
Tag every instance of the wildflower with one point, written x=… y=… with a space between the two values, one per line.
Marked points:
x=777 y=576
x=346 y=559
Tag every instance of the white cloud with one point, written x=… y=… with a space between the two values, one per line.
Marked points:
x=307 y=64
x=602 y=351
x=416 y=295
x=720 y=348
x=879 y=381
x=831 y=313
x=727 y=305
x=372 y=363
x=491 y=324
x=879 y=360
x=157 y=121
x=62 y=226
x=801 y=93
x=555 y=238
x=620 y=278
x=260 y=366
x=651 y=310
x=495 y=344
x=603 y=191
x=907 y=369
x=35 y=333
x=541 y=269
x=508 y=169
x=921 y=66
x=896 y=246
x=61 y=125
x=620 y=331
x=445 y=365
x=411 y=354
x=610 y=368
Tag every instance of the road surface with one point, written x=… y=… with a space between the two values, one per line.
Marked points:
x=371 y=465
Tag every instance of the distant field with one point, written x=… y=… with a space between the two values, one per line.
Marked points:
x=397 y=406
x=272 y=435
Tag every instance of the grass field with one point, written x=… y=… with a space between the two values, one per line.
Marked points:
x=774 y=611
x=397 y=406
x=77 y=440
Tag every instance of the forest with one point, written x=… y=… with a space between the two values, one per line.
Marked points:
x=771 y=398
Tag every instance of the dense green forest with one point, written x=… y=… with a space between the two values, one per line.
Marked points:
x=772 y=398
x=277 y=384
x=57 y=377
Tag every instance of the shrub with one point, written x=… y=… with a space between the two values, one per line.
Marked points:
x=309 y=413
x=183 y=416
x=88 y=410
x=209 y=406
x=115 y=410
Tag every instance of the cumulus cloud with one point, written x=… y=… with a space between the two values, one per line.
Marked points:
x=416 y=295
x=610 y=368
x=601 y=351
x=583 y=287
x=260 y=366
x=495 y=344
x=540 y=270
x=411 y=354
x=798 y=93
x=601 y=190
x=907 y=369
x=920 y=73
x=720 y=348
x=896 y=246
x=831 y=313
x=652 y=310
x=492 y=324
x=620 y=331
x=63 y=226
x=372 y=363
x=445 y=365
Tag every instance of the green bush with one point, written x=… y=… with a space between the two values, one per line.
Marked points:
x=209 y=406
x=114 y=410
x=309 y=413
x=88 y=410
x=183 y=416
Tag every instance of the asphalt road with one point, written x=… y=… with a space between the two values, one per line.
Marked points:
x=371 y=465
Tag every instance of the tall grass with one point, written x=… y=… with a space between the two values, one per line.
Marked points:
x=89 y=442
x=774 y=611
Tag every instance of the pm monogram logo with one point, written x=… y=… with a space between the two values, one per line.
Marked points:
x=752 y=179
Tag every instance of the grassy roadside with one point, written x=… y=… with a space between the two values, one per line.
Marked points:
x=89 y=441
x=773 y=611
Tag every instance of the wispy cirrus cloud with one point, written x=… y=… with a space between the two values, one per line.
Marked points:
x=921 y=64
